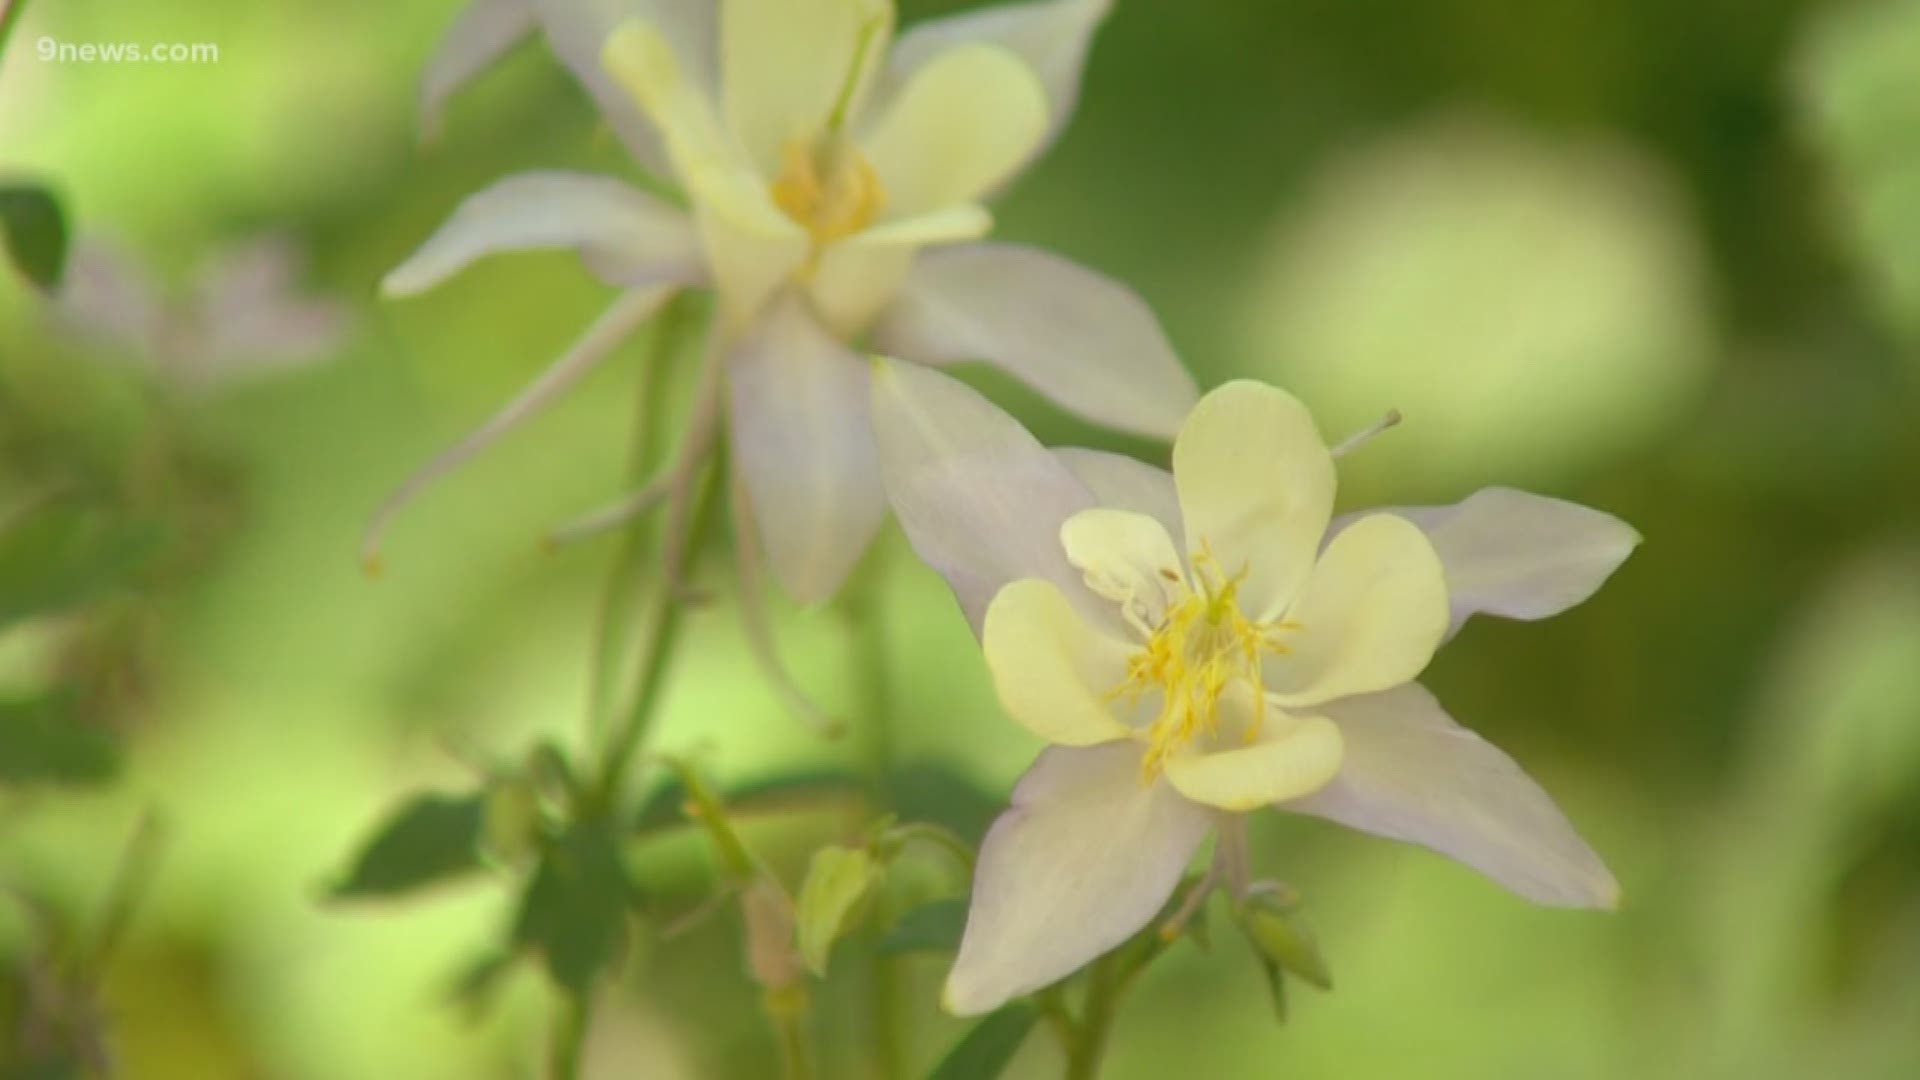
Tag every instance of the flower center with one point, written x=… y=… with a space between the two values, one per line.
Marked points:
x=830 y=189
x=1202 y=646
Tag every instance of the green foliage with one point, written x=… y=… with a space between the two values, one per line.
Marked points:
x=664 y=806
x=429 y=841
x=63 y=558
x=840 y=883
x=1282 y=942
x=931 y=927
x=984 y=1052
x=42 y=743
x=34 y=230
x=573 y=914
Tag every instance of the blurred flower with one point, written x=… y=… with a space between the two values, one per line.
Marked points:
x=241 y=317
x=819 y=157
x=1267 y=657
x=1538 y=308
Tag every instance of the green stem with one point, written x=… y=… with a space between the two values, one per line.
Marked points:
x=663 y=637
x=865 y=610
x=796 y=1045
x=1089 y=1044
x=649 y=449
x=569 y=1039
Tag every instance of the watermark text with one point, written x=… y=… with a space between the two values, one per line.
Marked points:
x=127 y=52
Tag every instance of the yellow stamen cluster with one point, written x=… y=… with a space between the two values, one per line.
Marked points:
x=832 y=192
x=1201 y=647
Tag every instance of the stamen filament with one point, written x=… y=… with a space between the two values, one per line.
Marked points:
x=598 y=342
x=1367 y=434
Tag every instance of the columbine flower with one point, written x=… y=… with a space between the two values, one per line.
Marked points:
x=242 y=316
x=819 y=157
x=1205 y=644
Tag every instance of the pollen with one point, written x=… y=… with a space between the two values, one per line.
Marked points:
x=832 y=191
x=1203 y=645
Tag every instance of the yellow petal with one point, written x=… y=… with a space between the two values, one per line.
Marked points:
x=1289 y=757
x=1256 y=489
x=787 y=66
x=1369 y=618
x=1050 y=668
x=961 y=125
x=1128 y=558
x=717 y=172
x=859 y=276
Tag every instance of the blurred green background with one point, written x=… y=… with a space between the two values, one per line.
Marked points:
x=1658 y=256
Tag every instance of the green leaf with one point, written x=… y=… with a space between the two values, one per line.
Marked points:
x=931 y=927
x=1273 y=925
x=1276 y=988
x=984 y=1052
x=430 y=840
x=839 y=882
x=663 y=806
x=61 y=559
x=574 y=912
x=35 y=232
x=41 y=742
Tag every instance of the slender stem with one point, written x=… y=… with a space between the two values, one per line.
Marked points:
x=10 y=12
x=796 y=1044
x=1089 y=1044
x=649 y=448
x=866 y=616
x=569 y=1039
x=662 y=642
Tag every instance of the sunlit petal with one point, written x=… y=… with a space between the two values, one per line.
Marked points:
x=1125 y=483
x=788 y=65
x=625 y=236
x=1286 y=757
x=1082 y=339
x=1085 y=857
x=1127 y=558
x=1413 y=774
x=962 y=124
x=1518 y=555
x=1051 y=669
x=1052 y=36
x=481 y=34
x=804 y=445
x=1369 y=618
x=1256 y=489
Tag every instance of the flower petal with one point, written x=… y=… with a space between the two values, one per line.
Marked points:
x=1051 y=669
x=1288 y=756
x=1052 y=36
x=860 y=275
x=805 y=449
x=1369 y=617
x=1127 y=558
x=482 y=33
x=577 y=31
x=980 y=499
x=1519 y=555
x=1086 y=856
x=1256 y=489
x=625 y=236
x=785 y=65
x=1126 y=483
x=1413 y=774
x=1082 y=339
x=962 y=124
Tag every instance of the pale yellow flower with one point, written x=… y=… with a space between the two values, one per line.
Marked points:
x=836 y=177
x=1213 y=642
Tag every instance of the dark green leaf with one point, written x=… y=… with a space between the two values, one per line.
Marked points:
x=928 y=791
x=1276 y=988
x=574 y=913
x=931 y=927
x=60 y=559
x=35 y=233
x=42 y=742
x=984 y=1052
x=428 y=841
x=662 y=808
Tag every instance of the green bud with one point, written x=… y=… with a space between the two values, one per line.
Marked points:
x=839 y=883
x=1273 y=925
x=510 y=821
